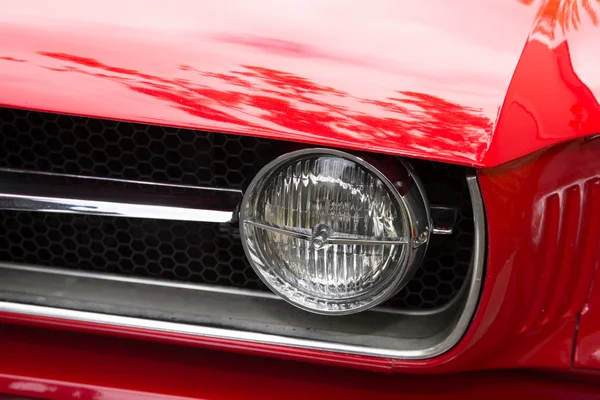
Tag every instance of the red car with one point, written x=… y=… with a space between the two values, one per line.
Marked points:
x=299 y=199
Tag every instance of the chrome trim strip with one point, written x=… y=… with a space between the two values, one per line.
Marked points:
x=204 y=331
x=141 y=281
x=117 y=180
x=477 y=265
x=443 y=218
x=12 y=201
x=187 y=286
x=61 y=193
x=162 y=326
x=333 y=238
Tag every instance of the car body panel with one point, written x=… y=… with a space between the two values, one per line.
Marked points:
x=423 y=79
x=587 y=346
x=541 y=254
x=553 y=95
x=506 y=86
x=63 y=365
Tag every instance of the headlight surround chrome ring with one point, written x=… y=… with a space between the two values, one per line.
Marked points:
x=265 y=241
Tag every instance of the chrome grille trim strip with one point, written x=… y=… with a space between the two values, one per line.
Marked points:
x=470 y=304
x=61 y=193
x=201 y=331
x=144 y=281
x=475 y=282
x=116 y=180
x=16 y=202
x=183 y=285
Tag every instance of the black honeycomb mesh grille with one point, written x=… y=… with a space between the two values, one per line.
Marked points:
x=189 y=251
x=102 y=148
x=448 y=257
x=174 y=250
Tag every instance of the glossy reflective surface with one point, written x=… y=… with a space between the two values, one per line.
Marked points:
x=543 y=246
x=59 y=365
x=553 y=95
x=72 y=194
x=331 y=234
x=587 y=351
x=419 y=78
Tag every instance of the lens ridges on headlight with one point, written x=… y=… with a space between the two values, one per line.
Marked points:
x=330 y=233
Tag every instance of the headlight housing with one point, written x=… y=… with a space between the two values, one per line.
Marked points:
x=330 y=233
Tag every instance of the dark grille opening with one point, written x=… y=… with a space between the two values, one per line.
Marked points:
x=84 y=146
x=187 y=251
x=183 y=251
x=448 y=257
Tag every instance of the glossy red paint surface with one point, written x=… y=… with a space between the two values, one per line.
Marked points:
x=587 y=352
x=542 y=254
x=553 y=95
x=424 y=78
x=314 y=356
x=46 y=364
x=542 y=251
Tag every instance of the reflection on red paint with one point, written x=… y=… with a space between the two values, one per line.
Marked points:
x=536 y=108
x=286 y=48
x=293 y=103
x=6 y=58
x=563 y=14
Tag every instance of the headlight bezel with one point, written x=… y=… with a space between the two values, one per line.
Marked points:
x=401 y=183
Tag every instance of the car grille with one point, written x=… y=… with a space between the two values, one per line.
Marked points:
x=194 y=252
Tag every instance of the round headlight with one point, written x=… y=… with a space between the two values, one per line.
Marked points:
x=330 y=233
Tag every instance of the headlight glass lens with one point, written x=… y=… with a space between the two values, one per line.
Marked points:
x=326 y=232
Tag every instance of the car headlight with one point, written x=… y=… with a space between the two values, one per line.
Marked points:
x=330 y=233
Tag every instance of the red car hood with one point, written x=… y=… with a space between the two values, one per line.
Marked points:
x=419 y=78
